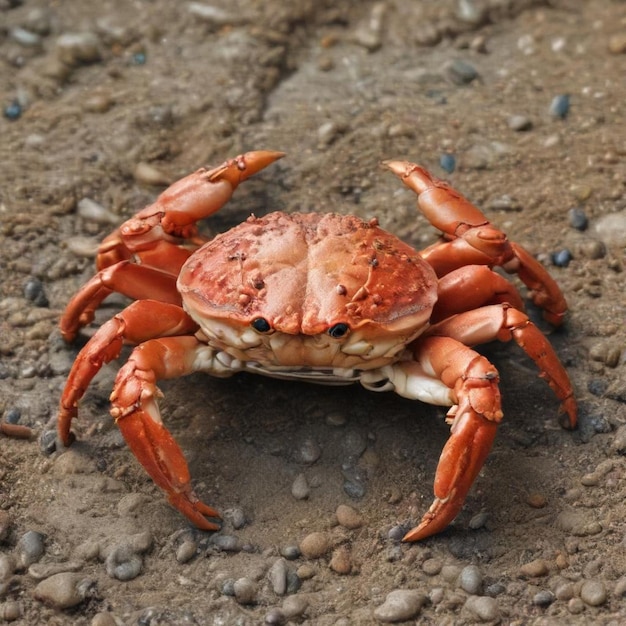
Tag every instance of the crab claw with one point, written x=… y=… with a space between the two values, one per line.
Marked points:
x=241 y=167
x=461 y=460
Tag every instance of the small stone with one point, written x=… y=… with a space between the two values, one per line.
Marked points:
x=611 y=228
x=300 y=487
x=460 y=72
x=561 y=258
x=447 y=162
x=618 y=445
x=146 y=174
x=329 y=132
x=186 y=551
x=559 y=107
x=10 y=611
x=620 y=588
x=308 y=452
x=275 y=617
x=97 y=103
x=575 y=606
x=62 y=591
x=578 y=218
x=400 y=605
x=348 y=517
x=277 y=575
x=315 y=545
x=103 y=619
x=484 y=608
x=29 y=549
x=341 y=561
x=236 y=516
x=565 y=591
x=226 y=543
x=471 y=579
x=245 y=591
x=534 y=569
x=39 y=571
x=593 y=592
x=543 y=598
x=7 y=566
x=291 y=553
x=5 y=524
x=294 y=606
x=432 y=567
x=593 y=249
x=77 y=48
x=123 y=563
x=519 y=123
x=478 y=521
x=95 y=212
x=617 y=43
x=536 y=500
x=336 y=419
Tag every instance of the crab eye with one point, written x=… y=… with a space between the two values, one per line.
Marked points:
x=338 y=330
x=261 y=325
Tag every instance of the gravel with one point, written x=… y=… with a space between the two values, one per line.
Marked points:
x=63 y=591
x=400 y=605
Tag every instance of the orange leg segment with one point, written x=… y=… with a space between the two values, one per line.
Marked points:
x=137 y=414
x=140 y=321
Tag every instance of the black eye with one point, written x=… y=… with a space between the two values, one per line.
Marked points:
x=261 y=325
x=338 y=330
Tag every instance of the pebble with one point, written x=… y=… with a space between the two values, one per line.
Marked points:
x=308 y=452
x=561 y=258
x=34 y=291
x=353 y=444
x=291 y=552
x=245 y=591
x=484 y=608
x=536 y=500
x=236 y=516
x=471 y=579
x=277 y=575
x=341 y=561
x=479 y=520
x=39 y=571
x=78 y=48
x=617 y=43
x=315 y=545
x=83 y=246
x=275 y=616
x=329 y=132
x=447 y=162
x=593 y=249
x=104 y=619
x=400 y=605
x=560 y=105
x=611 y=229
x=10 y=611
x=7 y=566
x=620 y=588
x=432 y=567
x=354 y=488
x=13 y=110
x=578 y=218
x=460 y=72
x=123 y=563
x=519 y=123
x=146 y=174
x=300 y=487
x=215 y=15
x=294 y=606
x=186 y=551
x=543 y=598
x=63 y=591
x=534 y=569
x=29 y=549
x=577 y=523
x=593 y=592
x=95 y=212
x=226 y=543
x=336 y=419
x=97 y=103
x=348 y=517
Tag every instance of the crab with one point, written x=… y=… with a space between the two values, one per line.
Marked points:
x=326 y=298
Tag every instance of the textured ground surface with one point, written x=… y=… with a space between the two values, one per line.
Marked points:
x=102 y=100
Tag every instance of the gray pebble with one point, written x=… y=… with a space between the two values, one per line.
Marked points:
x=245 y=591
x=277 y=575
x=593 y=592
x=460 y=72
x=400 y=605
x=29 y=549
x=275 y=617
x=329 y=132
x=123 y=563
x=7 y=566
x=95 y=212
x=471 y=579
x=543 y=598
x=432 y=567
x=34 y=291
x=291 y=553
x=478 y=520
x=294 y=606
x=236 y=517
x=578 y=523
x=559 y=107
x=611 y=228
x=62 y=591
x=300 y=487
x=578 y=218
x=483 y=608
x=397 y=532
x=25 y=37
x=77 y=48
x=226 y=543
x=353 y=444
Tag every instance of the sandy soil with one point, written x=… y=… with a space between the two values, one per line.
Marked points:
x=108 y=102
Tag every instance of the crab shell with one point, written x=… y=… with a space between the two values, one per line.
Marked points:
x=304 y=274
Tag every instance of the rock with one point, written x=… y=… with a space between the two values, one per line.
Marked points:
x=471 y=579
x=484 y=608
x=5 y=524
x=186 y=551
x=611 y=229
x=245 y=591
x=617 y=43
x=78 y=48
x=534 y=569
x=29 y=549
x=300 y=487
x=62 y=591
x=593 y=593
x=341 y=561
x=315 y=545
x=400 y=605
x=277 y=575
x=348 y=517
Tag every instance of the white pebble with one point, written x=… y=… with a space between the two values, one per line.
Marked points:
x=400 y=605
x=483 y=608
x=94 y=211
x=277 y=575
x=471 y=579
x=62 y=591
x=300 y=487
x=593 y=592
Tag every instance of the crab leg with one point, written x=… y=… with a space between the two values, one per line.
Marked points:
x=137 y=414
x=503 y=322
x=140 y=321
x=470 y=239
x=472 y=384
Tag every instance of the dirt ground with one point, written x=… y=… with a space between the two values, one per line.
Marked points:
x=107 y=102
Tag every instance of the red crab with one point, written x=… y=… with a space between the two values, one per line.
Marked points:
x=326 y=298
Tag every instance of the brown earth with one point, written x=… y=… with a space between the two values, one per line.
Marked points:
x=148 y=92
